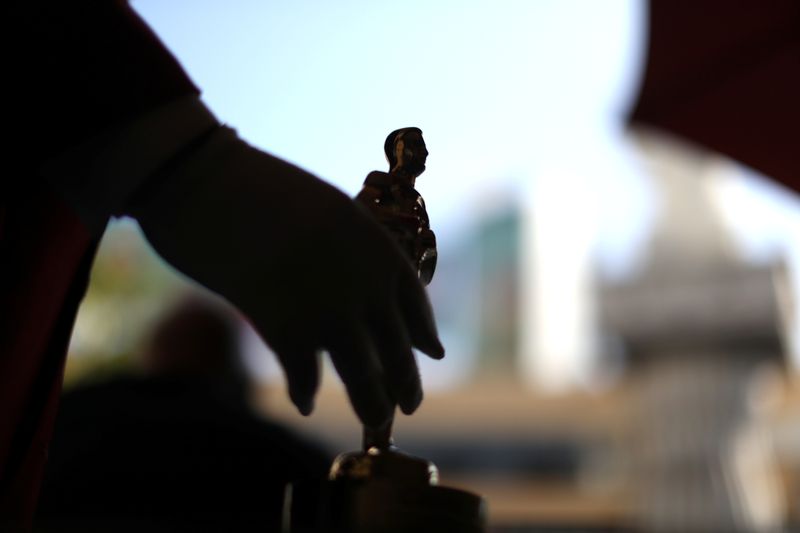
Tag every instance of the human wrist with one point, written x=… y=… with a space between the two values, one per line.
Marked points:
x=99 y=176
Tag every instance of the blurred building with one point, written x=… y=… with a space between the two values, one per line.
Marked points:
x=476 y=292
x=698 y=326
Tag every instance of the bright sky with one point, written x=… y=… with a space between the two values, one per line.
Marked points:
x=500 y=89
x=505 y=92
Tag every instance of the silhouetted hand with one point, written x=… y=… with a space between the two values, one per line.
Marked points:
x=305 y=263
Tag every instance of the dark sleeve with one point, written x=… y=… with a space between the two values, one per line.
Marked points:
x=85 y=66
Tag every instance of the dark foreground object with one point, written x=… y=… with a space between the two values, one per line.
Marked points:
x=163 y=454
x=382 y=490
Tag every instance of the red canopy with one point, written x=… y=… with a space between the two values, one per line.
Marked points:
x=727 y=76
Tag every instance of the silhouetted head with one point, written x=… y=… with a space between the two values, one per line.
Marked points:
x=196 y=338
x=405 y=149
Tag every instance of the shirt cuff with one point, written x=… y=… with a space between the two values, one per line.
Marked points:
x=98 y=176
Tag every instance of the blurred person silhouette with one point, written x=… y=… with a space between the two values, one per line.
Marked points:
x=178 y=447
x=106 y=123
x=198 y=339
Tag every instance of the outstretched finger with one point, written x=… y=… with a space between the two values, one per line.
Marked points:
x=393 y=347
x=417 y=313
x=357 y=363
x=301 y=366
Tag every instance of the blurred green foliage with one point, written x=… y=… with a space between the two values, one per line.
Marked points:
x=130 y=287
